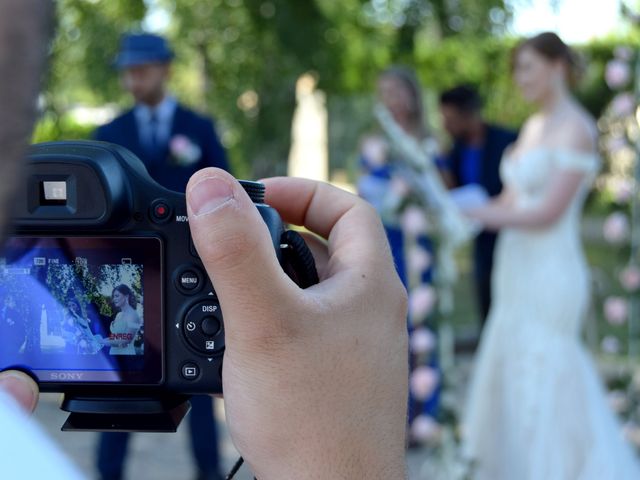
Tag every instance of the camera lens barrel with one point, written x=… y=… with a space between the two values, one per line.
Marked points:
x=255 y=190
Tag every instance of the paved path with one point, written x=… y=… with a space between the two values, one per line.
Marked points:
x=162 y=456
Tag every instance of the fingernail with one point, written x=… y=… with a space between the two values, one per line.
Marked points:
x=209 y=194
x=20 y=387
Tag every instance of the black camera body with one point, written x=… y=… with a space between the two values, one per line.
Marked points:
x=102 y=276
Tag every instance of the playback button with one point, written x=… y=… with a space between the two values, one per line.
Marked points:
x=190 y=371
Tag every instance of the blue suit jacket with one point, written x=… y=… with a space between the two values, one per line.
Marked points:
x=497 y=139
x=163 y=165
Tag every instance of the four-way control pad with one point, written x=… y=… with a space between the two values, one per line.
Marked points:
x=202 y=328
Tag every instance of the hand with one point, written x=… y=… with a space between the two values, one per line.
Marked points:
x=21 y=387
x=315 y=380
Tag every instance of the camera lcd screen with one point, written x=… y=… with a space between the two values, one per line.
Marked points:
x=82 y=309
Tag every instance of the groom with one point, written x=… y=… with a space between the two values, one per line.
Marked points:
x=474 y=159
x=173 y=142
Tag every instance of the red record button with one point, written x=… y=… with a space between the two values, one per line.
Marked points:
x=160 y=211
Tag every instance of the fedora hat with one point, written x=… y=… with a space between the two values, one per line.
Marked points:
x=142 y=48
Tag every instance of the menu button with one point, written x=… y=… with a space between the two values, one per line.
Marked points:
x=189 y=280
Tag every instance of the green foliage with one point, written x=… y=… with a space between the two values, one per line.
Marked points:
x=53 y=127
x=238 y=60
x=84 y=48
x=92 y=285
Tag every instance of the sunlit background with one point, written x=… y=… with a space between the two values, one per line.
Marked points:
x=291 y=86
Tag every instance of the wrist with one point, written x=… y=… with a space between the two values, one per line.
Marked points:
x=324 y=466
x=373 y=456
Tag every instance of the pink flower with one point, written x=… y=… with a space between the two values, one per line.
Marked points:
x=422 y=299
x=374 y=150
x=425 y=429
x=413 y=221
x=615 y=144
x=631 y=432
x=184 y=151
x=418 y=259
x=422 y=341
x=616 y=310
x=424 y=381
x=610 y=345
x=179 y=144
x=623 y=53
x=616 y=228
x=630 y=278
x=618 y=401
x=623 y=189
x=399 y=187
x=617 y=74
x=623 y=104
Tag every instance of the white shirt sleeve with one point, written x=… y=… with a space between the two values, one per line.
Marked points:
x=26 y=451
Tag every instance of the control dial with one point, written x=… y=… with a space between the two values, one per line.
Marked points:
x=202 y=328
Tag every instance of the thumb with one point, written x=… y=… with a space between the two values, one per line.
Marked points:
x=235 y=247
x=22 y=387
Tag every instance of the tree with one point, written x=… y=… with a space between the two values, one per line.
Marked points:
x=83 y=51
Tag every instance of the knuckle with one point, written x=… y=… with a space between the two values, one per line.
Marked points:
x=402 y=299
x=368 y=210
x=229 y=249
x=390 y=291
x=275 y=331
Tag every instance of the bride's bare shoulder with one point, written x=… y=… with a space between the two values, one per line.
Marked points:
x=579 y=131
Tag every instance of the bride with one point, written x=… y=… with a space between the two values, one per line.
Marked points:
x=537 y=409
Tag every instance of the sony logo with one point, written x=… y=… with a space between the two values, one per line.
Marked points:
x=66 y=375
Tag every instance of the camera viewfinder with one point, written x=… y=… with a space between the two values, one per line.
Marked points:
x=53 y=192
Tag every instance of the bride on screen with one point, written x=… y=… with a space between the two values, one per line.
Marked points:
x=537 y=409
x=126 y=323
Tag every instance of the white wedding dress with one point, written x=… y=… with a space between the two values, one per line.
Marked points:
x=537 y=409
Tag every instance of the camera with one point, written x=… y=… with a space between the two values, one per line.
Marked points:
x=102 y=294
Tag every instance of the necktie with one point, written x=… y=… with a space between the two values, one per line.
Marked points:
x=153 y=132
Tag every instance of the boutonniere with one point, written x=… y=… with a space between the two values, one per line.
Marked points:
x=184 y=151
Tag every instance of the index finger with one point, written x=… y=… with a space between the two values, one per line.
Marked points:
x=350 y=224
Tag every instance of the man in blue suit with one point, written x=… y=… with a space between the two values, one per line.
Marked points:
x=173 y=142
x=475 y=158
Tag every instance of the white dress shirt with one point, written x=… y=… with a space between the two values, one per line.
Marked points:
x=163 y=113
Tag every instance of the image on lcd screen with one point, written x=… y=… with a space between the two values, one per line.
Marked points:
x=74 y=310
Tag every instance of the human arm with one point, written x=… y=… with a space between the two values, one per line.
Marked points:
x=573 y=156
x=445 y=163
x=315 y=380
x=503 y=212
